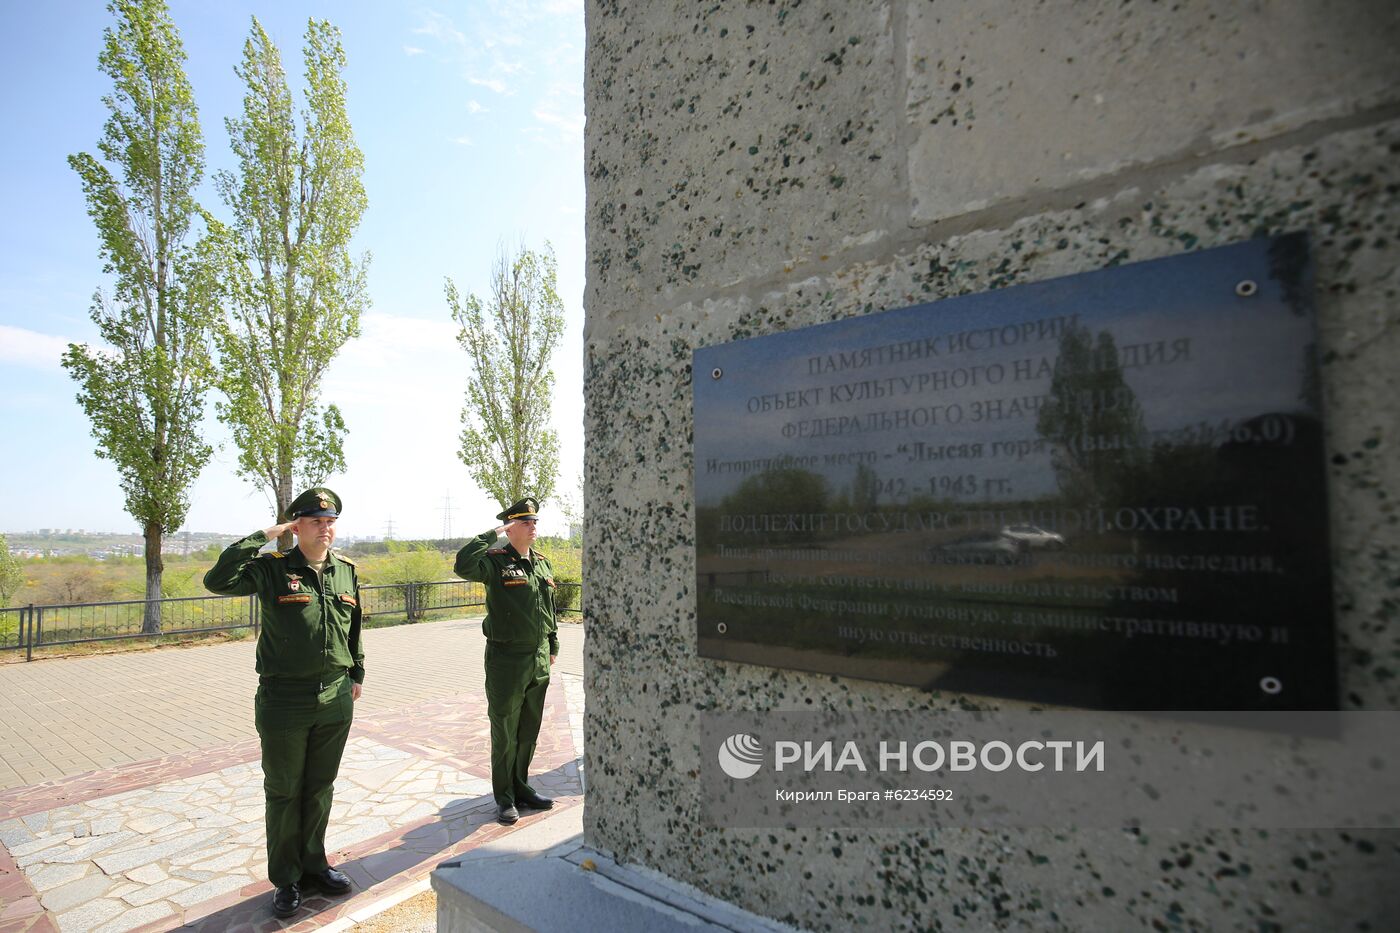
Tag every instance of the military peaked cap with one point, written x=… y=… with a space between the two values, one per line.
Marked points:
x=313 y=503
x=528 y=507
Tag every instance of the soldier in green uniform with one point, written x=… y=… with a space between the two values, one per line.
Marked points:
x=522 y=642
x=310 y=665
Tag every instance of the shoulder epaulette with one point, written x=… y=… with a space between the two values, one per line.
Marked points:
x=496 y=550
x=274 y=554
x=340 y=556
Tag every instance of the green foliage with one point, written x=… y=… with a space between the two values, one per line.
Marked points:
x=413 y=563
x=295 y=293
x=11 y=573
x=508 y=445
x=570 y=503
x=1089 y=400
x=144 y=393
x=567 y=561
x=184 y=580
x=865 y=489
x=83 y=583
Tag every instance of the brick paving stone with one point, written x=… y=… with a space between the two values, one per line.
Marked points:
x=152 y=822
x=89 y=916
x=146 y=854
x=51 y=876
x=233 y=857
x=157 y=892
x=148 y=874
x=66 y=897
x=14 y=833
x=133 y=919
x=20 y=909
x=84 y=851
x=40 y=844
x=426 y=736
x=210 y=889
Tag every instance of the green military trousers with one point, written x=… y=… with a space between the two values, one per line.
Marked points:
x=516 y=682
x=303 y=731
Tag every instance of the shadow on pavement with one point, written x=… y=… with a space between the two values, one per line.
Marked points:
x=468 y=820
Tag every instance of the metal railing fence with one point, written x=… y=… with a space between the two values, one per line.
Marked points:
x=25 y=628
x=29 y=627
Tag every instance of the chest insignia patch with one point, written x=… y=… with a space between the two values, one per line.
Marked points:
x=294 y=598
x=293 y=582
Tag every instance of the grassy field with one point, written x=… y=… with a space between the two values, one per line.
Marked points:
x=78 y=579
x=74 y=580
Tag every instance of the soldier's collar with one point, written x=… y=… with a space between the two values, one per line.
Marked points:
x=295 y=557
x=528 y=555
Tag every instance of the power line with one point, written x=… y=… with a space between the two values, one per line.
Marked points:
x=389 y=529
x=447 y=517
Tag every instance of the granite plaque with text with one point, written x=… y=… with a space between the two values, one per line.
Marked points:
x=1105 y=490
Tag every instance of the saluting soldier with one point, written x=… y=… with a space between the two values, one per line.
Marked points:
x=310 y=665
x=522 y=642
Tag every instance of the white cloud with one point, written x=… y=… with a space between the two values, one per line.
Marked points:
x=495 y=84
x=560 y=111
x=488 y=30
x=30 y=348
x=462 y=140
x=500 y=35
x=441 y=27
x=475 y=107
x=384 y=332
x=413 y=50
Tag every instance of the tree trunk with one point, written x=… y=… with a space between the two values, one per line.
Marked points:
x=155 y=566
x=284 y=502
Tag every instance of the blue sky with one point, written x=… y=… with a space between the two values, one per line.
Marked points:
x=470 y=116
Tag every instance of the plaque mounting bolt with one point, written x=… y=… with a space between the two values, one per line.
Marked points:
x=1271 y=685
x=1246 y=288
x=721 y=628
x=716 y=373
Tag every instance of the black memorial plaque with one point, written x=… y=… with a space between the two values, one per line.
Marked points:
x=1105 y=490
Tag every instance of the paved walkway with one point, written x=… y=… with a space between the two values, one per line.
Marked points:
x=135 y=796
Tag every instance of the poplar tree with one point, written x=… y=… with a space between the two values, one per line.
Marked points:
x=11 y=574
x=296 y=293
x=507 y=442
x=1093 y=418
x=144 y=391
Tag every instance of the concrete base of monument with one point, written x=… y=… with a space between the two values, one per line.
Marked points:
x=544 y=879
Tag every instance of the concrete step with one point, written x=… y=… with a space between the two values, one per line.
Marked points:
x=543 y=879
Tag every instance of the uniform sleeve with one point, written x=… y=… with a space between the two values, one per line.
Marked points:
x=472 y=563
x=357 y=644
x=553 y=630
x=232 y=574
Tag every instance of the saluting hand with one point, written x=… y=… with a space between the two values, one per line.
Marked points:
x=277 y=531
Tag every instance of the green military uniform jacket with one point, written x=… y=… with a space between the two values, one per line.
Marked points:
x=310 y=622
x=519 y=593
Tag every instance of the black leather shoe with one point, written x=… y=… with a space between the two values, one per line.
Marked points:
x=329 y=881
x=535 y=802
x=507 y=815
x=286 y=900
